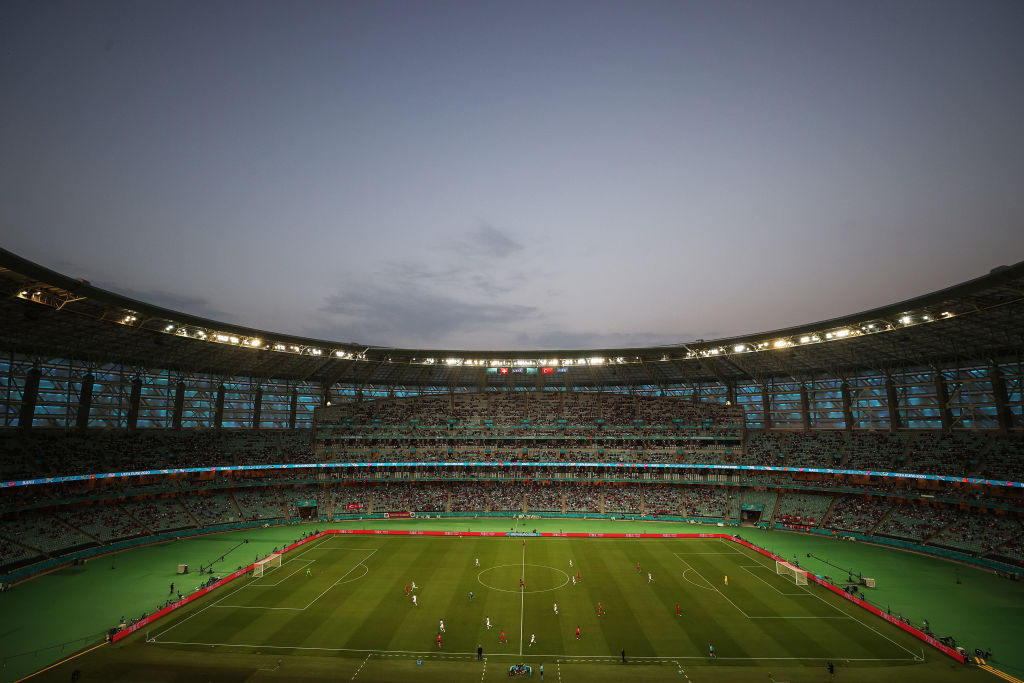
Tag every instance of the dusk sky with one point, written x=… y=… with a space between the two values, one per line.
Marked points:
x=517 y=175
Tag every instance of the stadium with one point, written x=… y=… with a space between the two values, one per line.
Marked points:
x=186 y=499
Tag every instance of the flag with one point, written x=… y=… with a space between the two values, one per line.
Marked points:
x=502 y=371
x=547 y=371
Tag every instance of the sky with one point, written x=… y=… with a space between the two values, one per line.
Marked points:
x=514 y=175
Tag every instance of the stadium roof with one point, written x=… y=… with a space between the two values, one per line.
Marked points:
x=47 y=314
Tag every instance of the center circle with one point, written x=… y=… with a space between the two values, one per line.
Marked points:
x=539 y=578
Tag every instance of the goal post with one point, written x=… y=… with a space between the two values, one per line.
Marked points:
x=267 y=563
x=798 y=575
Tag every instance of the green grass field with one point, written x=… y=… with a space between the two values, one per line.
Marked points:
x=337 y=609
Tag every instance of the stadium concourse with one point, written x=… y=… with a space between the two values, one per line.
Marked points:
x=131 y=432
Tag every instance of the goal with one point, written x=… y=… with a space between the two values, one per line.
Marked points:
x=798 y=575
x=271 y=562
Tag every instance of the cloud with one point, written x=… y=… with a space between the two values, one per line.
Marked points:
x=175 y=301
x=410 y=316
x=568 y=339
x=183 y=303
x=487 y=240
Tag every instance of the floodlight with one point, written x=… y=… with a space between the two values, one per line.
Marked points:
x=905 y=320
x=842 y=333
x=781 y=343
x=222 y=337
x=739 y=348
x=805 y=339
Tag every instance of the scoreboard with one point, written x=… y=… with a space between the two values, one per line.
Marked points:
x=544 y=370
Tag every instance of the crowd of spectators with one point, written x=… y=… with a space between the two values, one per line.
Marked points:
x=858 y=514
x=706 y=502
x=623 y=499
x=874 y=451
x=158 y=515
x=802 y=509
x=916 y=522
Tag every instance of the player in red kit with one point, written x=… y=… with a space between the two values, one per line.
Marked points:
x=577 y=633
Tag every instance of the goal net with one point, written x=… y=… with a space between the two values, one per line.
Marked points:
x=268 y=563
x=798 y=575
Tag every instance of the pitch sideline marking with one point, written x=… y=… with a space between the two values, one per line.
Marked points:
x=565 y=657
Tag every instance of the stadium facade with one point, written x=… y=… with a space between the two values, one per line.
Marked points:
x=75 y=356
x=902 y=425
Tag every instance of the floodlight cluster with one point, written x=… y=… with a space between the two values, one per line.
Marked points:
x=57 y=298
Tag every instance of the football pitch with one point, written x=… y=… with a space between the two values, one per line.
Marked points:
x=337 y=608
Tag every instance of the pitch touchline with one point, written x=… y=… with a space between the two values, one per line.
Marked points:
x=548 y=655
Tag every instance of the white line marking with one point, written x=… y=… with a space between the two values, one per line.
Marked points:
x=433 y=653
x=360 y=563
x=339 y=582
x=689 y=569
x=522 y=598
x=854 y=618
x=713 y=587
x=244 y=584
x=747 y=568
x=279 y=581
x=361 y=667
